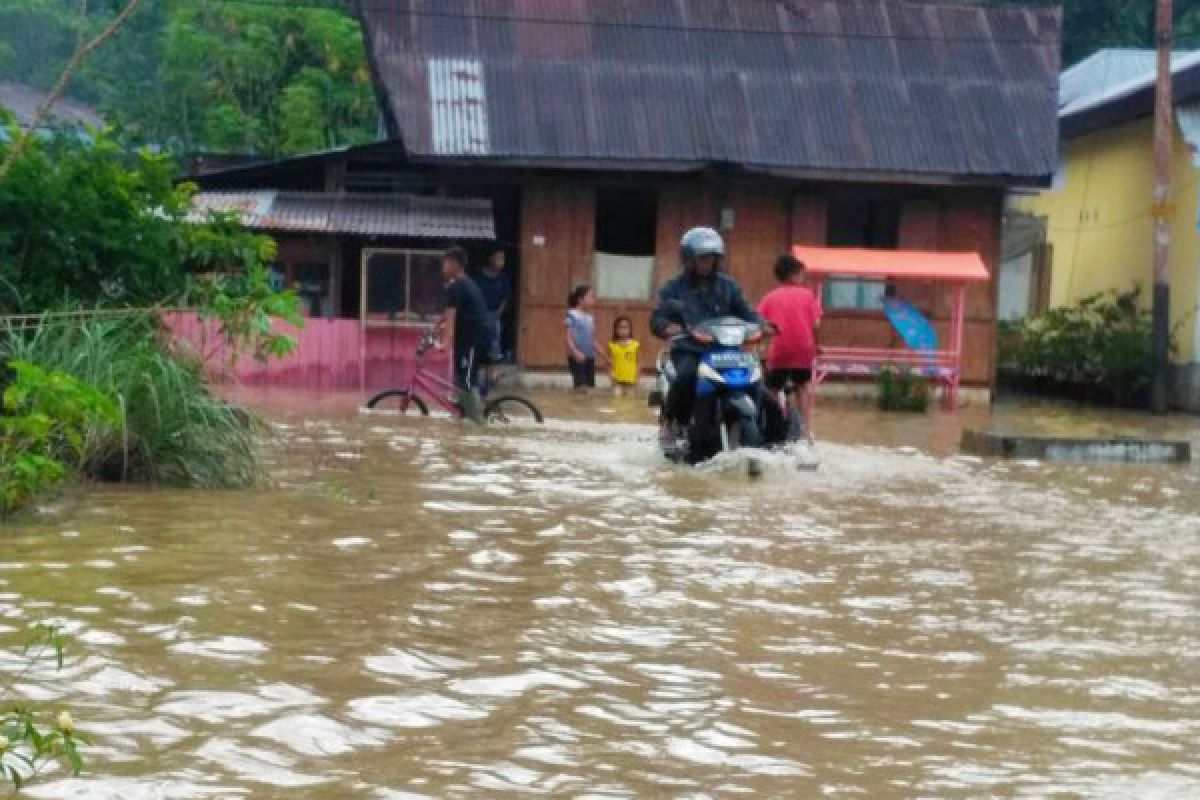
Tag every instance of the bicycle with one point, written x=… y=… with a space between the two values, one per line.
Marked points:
x=426 y=383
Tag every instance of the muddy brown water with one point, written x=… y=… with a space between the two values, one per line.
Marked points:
x=416 y=609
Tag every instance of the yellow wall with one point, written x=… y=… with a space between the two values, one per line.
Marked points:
x=1100 y=226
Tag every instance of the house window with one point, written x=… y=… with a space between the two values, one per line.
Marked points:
x=311 y=281
x=403 y=285
x=857 y=220
x=626 y=227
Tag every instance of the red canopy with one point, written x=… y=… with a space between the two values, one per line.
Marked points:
x=898 y=264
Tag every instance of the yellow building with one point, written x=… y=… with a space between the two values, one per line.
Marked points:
x=1097 y=217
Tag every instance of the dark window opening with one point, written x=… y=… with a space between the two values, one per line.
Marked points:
x=626 y=222
x=863 y=221
x=626 y=232
x=857 y=220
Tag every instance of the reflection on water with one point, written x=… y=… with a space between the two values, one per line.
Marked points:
x=421 y=610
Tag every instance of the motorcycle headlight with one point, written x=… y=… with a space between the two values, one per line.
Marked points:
x=709 y=374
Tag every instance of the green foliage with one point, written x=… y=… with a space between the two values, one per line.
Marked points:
x=1098 y=350
x=268 y=80
x=27 y=745
x=83 y=223
x=233 y=285
x=51 y=425
x=902 y=390
x=192 y=75
x=174 y=431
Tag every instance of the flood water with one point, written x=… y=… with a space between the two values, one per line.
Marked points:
x=416 y=609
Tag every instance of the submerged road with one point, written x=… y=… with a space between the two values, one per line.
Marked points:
x=415 y=609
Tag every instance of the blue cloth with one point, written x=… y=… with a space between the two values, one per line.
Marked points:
x=582 y=328
x=911 y=324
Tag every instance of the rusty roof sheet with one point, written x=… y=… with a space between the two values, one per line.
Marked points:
x=812 y=86
x=359 y=214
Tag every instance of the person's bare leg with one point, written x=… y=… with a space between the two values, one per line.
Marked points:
x=808 y=405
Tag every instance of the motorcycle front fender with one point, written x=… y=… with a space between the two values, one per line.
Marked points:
x=743 y=404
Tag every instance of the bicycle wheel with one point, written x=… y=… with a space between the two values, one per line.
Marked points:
x=511 y=410
x=400 y=401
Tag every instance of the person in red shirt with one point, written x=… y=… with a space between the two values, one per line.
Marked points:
x=794 y=312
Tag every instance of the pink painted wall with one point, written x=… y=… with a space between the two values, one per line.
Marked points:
x=328 y=355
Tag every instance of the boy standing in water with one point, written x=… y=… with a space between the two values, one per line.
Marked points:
x=793 y=309
x=472 y=329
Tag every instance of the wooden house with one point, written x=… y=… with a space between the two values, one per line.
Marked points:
x=600 y=130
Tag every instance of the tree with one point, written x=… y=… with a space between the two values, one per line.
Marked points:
x=205 y=75
x=85 y=48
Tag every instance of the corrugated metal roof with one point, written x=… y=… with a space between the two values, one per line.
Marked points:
x=358 y=214
x=875 y=86
x=1112 y=75
x=23 y=101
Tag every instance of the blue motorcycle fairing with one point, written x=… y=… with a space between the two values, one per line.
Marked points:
x=737 y=370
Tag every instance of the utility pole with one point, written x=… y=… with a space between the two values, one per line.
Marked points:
x=1163 y=132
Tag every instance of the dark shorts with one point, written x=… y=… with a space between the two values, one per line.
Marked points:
x=469 y=368
x=779 y=378
x=583 y=373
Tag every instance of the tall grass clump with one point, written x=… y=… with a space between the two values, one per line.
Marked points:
x=172 y=430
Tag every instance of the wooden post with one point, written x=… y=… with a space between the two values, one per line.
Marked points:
x=1159 y=389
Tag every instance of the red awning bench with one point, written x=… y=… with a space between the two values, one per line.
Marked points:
x=954 y=270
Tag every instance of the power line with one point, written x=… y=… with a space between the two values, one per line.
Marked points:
x=377 y=7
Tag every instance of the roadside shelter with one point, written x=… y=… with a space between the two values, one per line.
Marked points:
x=937 y=282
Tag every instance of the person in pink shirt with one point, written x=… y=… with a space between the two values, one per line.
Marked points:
x=794 y=312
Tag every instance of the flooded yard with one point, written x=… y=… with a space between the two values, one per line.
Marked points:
x=416 y=609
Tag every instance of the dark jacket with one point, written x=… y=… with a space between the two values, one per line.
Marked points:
x=688 y=300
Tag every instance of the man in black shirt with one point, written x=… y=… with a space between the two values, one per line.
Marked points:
x=473 y=325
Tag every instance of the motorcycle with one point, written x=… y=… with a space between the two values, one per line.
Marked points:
x=732 y=410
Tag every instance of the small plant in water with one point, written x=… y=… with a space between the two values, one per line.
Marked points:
x=905 y=390
x=28 y=745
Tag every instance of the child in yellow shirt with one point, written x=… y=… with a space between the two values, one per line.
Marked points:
x=623 y=355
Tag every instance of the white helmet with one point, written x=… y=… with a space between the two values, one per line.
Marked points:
x=700 y=242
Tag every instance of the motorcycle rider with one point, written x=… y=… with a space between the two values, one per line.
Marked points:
x=702 y=291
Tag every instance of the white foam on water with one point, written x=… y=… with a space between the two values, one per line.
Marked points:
x=257 y=764
x=424 y=710
x=316 y=735
x=413 y=664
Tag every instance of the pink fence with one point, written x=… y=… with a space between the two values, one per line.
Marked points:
x=328 y=355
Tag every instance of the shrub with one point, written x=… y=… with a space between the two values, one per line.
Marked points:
x=173 y=431
x=902 y=390
x=51 y=424
x=1098 y=350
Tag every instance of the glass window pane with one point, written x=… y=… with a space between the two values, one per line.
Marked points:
x=872 y=294
x=387 y=282
x=426 y=297
x=841 y=294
